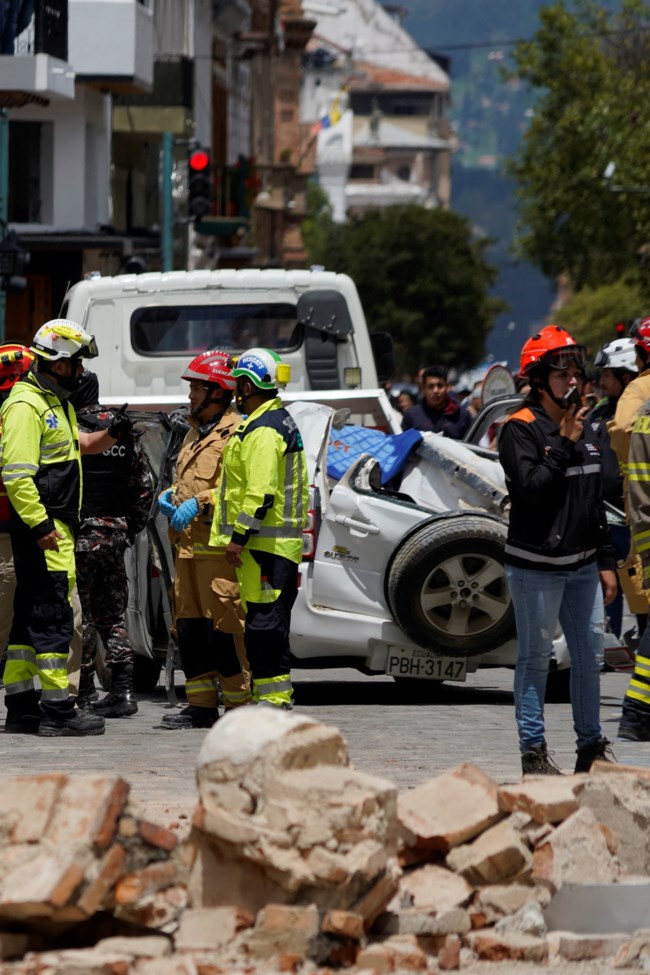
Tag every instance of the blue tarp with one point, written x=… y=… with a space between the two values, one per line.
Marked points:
x=392 y=450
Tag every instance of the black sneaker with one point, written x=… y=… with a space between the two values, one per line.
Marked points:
x=74 y=724
x=117 y=705
x=537 y=761
x=22 y=724
x=595 y=751
x=635 y=724
x=190 y=717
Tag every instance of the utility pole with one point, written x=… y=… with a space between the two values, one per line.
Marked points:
x=167 y=235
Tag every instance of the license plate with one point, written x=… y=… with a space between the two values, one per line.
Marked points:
x=421 y=664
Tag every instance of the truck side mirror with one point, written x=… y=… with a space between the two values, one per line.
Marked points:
x=384 y=355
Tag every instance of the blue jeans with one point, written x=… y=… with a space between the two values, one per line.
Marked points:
x=539 y=600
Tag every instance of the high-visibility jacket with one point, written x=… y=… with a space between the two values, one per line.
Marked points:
x=263 y=491
x=629 y=404
x=638 y=473
x=197 y=472
x=40 y=459
x=4 y=497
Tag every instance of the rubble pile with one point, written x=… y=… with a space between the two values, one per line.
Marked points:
x=297 y=861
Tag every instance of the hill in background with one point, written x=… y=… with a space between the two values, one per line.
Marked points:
x=490 y=116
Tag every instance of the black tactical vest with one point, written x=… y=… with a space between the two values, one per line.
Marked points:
x=106 y=475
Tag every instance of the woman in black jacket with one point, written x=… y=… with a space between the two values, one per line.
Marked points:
x=558 y=549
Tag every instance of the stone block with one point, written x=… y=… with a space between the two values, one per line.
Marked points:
x=547 y=799
x=375 y=900
x=38 y=887
x=497 y=855
x=156 y=876
x=283 y=929
x=449 y=954
x=103 y=879
x=26 y=806
x=393 y=955
x=446 y=811
x=585 y=947
x=433 y=887
x=87 y=812
x=576 y=852
x=499 y=900
x=147 y=946
x=490 y=946
x=210 y=928
x=419 y=922
x=621 y=802
x=344 y=924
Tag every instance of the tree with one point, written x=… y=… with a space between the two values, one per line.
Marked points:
x=591 y=314
x=420 y=275
x=591 y=69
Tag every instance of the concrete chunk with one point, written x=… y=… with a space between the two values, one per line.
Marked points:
x=497 y=855
x=448 y=810
x=507 y=947
x=576 y=852
x=547 y=799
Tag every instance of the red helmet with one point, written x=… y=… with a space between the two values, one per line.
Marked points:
x=640 y=333
x=553 y=347
x=15 y=360
x=212 y=367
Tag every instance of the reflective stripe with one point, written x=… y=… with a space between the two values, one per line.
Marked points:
x=271 y=685
x=24 y=654
x=195 y=686
x=639 y=696
x=586 y=469
x=20 y=467
x=55 y=693
x=51 y=448
x=237 y=696
x=19 y=687
x=248 y=520
x=548 y=559
x=57 y=661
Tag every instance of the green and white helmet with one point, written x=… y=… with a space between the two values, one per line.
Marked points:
x=63 y=339
x=263 y=367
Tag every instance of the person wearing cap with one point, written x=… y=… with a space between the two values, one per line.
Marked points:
x=207 y=609
x=558 y=549
x=41 y=471
x=117 y=498
x=15 y=362
x=260 y=512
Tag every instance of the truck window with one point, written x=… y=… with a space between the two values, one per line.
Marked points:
x=169 y=330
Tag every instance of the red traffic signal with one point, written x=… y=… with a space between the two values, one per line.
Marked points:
x=621 y=329
x=199 y=187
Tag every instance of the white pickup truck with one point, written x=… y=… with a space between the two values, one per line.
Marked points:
x=148 y=327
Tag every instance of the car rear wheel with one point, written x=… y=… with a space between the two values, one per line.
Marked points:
x=447 y=587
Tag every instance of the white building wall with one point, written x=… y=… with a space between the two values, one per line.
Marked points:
x=202 y=53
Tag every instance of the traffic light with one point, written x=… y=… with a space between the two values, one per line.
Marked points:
x=199 y=190
x=621 y=329
x=13 y=263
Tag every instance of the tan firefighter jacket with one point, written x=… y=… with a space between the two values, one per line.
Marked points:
x=197 y=471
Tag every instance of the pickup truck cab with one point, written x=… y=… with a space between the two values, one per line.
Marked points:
x=148 y=327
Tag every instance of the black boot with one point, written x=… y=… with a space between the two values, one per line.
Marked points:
x=537 y=761
x=594 y=751
x=71 y=724
x=635 y=723
x=23 y=713
x=190 y=717
x=88 y=693
x=120 y=702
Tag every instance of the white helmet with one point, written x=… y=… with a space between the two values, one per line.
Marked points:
x=263 y=367
x=63 y=339
x=619 y=354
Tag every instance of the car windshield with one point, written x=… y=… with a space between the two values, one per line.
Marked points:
x=161 y=330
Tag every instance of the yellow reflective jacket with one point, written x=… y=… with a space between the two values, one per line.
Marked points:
x=40 y=459
x=263 y=492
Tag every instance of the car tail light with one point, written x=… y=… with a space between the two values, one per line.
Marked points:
x=310 y=533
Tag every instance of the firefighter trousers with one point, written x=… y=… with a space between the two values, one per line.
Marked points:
x=269 y=586
x=42 y=624
x=209 y=632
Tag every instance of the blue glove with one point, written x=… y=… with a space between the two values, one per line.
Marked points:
x=184 y=514
x=165 y=503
